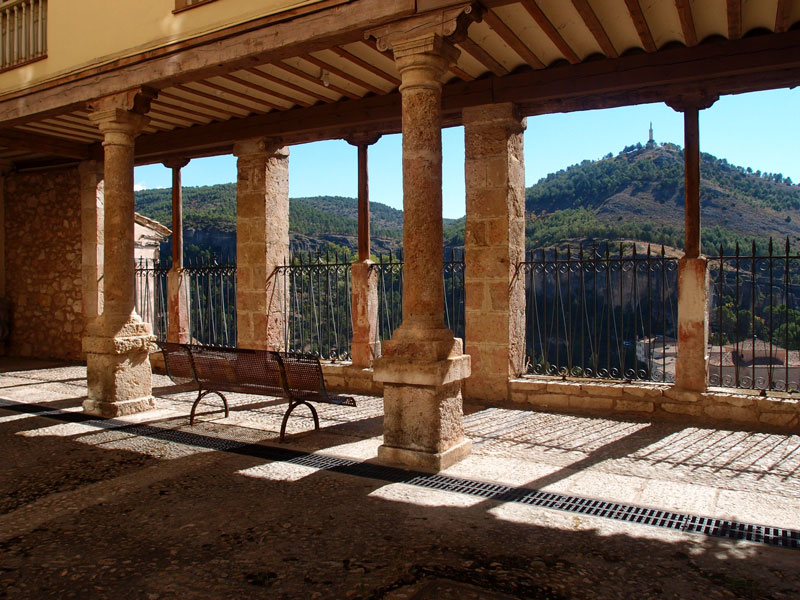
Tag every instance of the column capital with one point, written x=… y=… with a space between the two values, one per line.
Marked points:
x=260 y=147
x=176 y=163
x=450 y=24
x=504 y=115
x=692 y=101
x=136 y=101
x=362 y=138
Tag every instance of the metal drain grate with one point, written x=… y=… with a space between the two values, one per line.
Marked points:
x=708 y=526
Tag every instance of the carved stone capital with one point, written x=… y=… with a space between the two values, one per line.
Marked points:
x=135 y=101
x=450 y=24
x=692 y=101
x=362 y=138
x=259 y=147
x=118 y=126
x=176 y=163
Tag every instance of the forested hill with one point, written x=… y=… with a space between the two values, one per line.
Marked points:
x=635 y=195
x=209 y=215
x=639 y=194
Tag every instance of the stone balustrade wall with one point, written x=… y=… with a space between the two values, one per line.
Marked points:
x=43 y=264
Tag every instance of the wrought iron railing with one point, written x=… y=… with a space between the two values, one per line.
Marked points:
x=319 y=316
x=602 y=312
x=150 y=299
x=210 y=299
x=754 y=322
x=23 y=31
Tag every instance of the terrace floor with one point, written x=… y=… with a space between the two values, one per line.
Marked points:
x=149 y=507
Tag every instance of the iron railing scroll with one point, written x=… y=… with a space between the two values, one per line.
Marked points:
x=754 y=321
x=606 y=312
x=150 y=300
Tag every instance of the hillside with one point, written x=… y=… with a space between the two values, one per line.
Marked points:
x=635 y=195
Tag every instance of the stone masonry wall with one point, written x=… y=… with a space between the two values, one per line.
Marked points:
x=43 y=264
x=660 y=402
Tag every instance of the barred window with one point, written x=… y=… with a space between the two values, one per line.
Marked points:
x=23 y=32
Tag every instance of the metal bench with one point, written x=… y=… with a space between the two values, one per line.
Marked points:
x=215 y=370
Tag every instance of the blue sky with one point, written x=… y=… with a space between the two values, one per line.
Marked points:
x=759 y=130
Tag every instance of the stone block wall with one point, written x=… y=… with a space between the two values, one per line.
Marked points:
x=716 y=406
x=43 y=264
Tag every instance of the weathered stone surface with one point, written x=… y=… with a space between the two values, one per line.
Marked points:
x=262 y=242
x=627 y=405
x=730 y=413
x=682 y=409
x=691 y=366
x=738 y=400
x=682 y=395
x=591 y=402
x=494 y=244
x=43 y=263
x=780 y=419
x=365 y=345
x=778 y=404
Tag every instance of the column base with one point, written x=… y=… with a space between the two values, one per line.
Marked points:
x=118 y=408
x=362 y=354
x=429 y=461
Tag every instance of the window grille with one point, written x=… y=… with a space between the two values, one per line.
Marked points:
x=23 y=31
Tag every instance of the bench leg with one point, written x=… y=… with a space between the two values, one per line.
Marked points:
x=200 y=396
x=292 y=406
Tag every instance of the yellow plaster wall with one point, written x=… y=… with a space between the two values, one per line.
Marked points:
x=86 y=33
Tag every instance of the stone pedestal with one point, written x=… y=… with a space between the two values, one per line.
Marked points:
x=494 y=243
x=117 y=342
x=423 y=365
x=691 y=367
x=365 y=345
x=262 y=242
x=178 y=307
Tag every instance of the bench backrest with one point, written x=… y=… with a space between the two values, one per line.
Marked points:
x=177 y=362
x=238 y=369
x=304 y=376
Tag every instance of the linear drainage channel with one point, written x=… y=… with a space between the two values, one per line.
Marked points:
x=709 y=526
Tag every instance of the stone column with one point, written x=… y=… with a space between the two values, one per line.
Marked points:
x=691 y=364
x=494 y=243
x=262 y=242
x=177 y=292
x=92 y=230
x=365 y=345
x=117 y=343
x=5 y=321
x=423 y=365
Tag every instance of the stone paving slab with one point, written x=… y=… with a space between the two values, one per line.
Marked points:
x=93 y=508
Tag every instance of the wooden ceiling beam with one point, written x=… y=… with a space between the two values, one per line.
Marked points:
x=511 y=39
x=349 y=56
x=16 y=139
x=246 y=97
x=226 y=101
x=287 y=84
x=167 y=107
x=315 y=80
x=265 y=90
x=687 y=22
x=163 y=96
x=483 y=57
x=750 y=64
x=642 y=28
x=326 y=66
x=595 y=27
x=782 y=16
x=734 y=8
x=461 y=73
x=550 y=31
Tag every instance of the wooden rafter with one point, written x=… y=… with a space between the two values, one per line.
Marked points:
x=247 y=97
x=687 y=22
x=57 y=131
x=482 y=57
x=734 y=19
x=288 y=84
x=642 y=28
x=326 y=66
x=315 y=80
x=550 y=31
x=17 y=139
x=166 y=106
x=227 y=101
x=461 y=73
x=71 y=125
x=511 y=38
x=176 y=119
x=163 y=96
x=347 y=55
x=782 y=16
x=595 y=27
x=264 y=90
